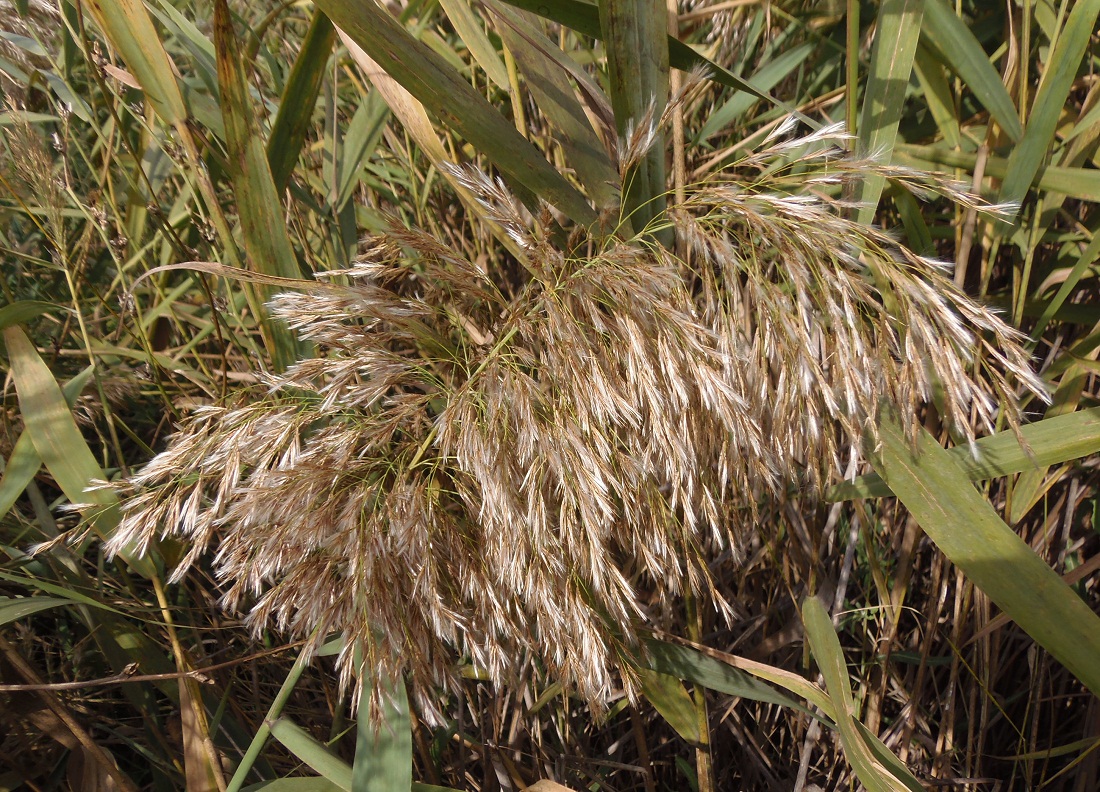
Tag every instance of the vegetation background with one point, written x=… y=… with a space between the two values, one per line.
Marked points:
x=945 y=637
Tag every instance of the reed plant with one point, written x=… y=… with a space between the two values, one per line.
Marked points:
x=564 y=390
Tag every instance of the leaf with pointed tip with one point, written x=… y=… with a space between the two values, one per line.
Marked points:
x=1051 y=441
x=128 y=26
x=288 y=131
x=266 y=239
x=960 y=51
x=896 y=35
x=452 y=100
x=1030 y=153
x=59 y=442
x=934 y=488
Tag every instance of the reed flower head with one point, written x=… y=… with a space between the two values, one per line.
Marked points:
x=480 y=467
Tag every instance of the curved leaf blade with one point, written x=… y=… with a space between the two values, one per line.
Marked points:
x=935 y=490
x=452 y=100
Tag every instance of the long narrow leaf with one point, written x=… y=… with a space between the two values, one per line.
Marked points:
x=548 y=78
x=898 y=31
x=128 y=26
x=266 y=240
x=962 y=53
x=298 y=741
x=15 y=609
x=24 y=462
x=1029 y=155
x=383 y=750
x=475 y=39
x=635 y=35
x=667 y=695
x=935 y=490
x=58 y=441
x=584 y=18
x=452 y=100
x=830 y=659
x=1051 y=442
x=288 y=131
x=1083 y=183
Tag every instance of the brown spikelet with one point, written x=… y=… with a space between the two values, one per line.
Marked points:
x=465 y=473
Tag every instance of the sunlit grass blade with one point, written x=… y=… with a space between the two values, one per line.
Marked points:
x=771 y=73
x=448 y=97
x=1082 y=183
x=584 y=18
x=896 y=36
x=415 y=119
x=274 y=711
x=308 y=784
x=383 y=750
x=1028 y=487
x=475 y=39
x=667 y=695
x=58 y=441
x=830 y=660
x=684 y=662
x=24 y=462
x=937 y=95
x=1029 y=155
x=549 y=82
x=360 y=140
x=130 y=29
x=23 y=311
x=303 y=746
x=266 y=240
x=635 y=39
x=288 y=131
x=964 y=526
x=1051 y=442
x=960 y=51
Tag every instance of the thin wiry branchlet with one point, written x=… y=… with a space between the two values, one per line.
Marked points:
x=465 y=473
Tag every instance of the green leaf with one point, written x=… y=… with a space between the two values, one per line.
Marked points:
x=934 y=488
x=68 y=594
x=15 y=609
x=546 y=70
x=667 y=695
x=24 y=462
x=772 y=72
x=693 y=666
x=383 y=751
x=1029 y=154
x=314 y=784
x=452 y=100
x=298 y=741
x=830 y=659
x=938 y=95
x=360 y=139
x=266 y=240
x=470 y=31
x=128 y=26
x=898 y=29
x=23 y=311
x=959 y=49
x=584 y=18
x=288 y=131
x=1052 y=441
x=1081 y=183
x=58 y=441
x=635 y=34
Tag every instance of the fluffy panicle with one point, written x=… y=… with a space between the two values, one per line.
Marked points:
x=486 y=473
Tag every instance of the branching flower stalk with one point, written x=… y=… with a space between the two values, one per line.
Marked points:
x=484 y=467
